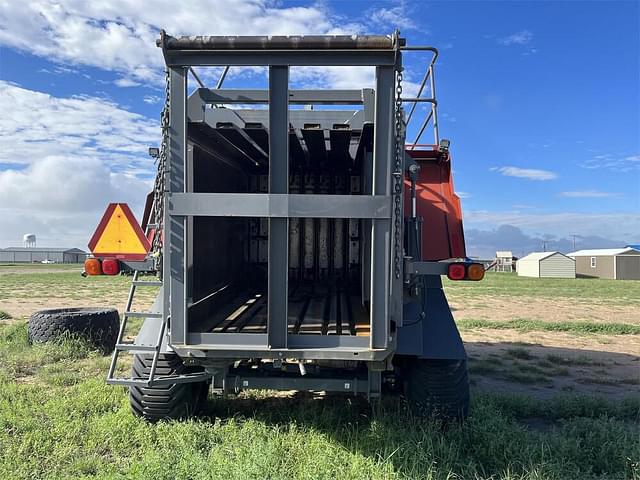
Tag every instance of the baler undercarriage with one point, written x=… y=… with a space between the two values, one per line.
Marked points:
x=291 y=241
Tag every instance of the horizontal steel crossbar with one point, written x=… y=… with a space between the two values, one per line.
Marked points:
x=296 y=97
x=319 y=58
x=279 y=205
x=159 y=380
x=426 y=268
x=241 y=382
x=260 y=341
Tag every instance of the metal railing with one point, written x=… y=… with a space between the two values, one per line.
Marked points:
x=432 y=116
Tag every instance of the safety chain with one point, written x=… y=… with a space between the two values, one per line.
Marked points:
x=398 y=175
x=158 y=189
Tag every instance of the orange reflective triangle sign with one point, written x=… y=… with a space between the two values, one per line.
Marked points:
x=119 y=235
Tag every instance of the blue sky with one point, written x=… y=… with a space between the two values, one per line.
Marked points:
x=540 y=99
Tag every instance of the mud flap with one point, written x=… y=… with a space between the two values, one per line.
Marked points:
x=432 y=335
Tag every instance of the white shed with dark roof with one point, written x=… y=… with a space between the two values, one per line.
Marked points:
x=546 y=265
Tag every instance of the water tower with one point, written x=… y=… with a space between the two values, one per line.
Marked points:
x=29 y=240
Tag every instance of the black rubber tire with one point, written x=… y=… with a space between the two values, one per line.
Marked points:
x=437 y=388
x=166 y=402
x=98 y=325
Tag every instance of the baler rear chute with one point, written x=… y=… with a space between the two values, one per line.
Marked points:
x=298 y=248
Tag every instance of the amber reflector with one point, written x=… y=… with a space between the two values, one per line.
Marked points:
x=475 y=271
x=92 y=266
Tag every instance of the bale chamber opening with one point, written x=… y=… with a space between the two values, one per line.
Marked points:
x=328 y=273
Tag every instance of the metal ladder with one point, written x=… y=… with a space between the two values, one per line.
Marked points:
x=122 y=346
x=156 y=215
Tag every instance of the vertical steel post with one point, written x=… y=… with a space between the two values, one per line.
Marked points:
x=188 y=254
x=369 y=110
x=175 y=226
x=368 y=104
x=434 y=107
x=383 y=145
x=278 y=257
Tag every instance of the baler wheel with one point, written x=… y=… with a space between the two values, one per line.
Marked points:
x=437 y=388
x=166 y=402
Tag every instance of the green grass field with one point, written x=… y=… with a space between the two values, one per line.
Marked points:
x=58 y=419
x=510 y=285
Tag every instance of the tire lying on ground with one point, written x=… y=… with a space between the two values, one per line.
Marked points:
x=98 y=325
x=437 y=388
x=166 y=402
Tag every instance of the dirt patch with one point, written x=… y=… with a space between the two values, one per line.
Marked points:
x=23 y=308
x=10 y=270
x=543 y=365
x=605 y=344
x=551 y=310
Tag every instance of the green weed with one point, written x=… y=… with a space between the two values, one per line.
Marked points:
x=528 y=325
x=610 y=292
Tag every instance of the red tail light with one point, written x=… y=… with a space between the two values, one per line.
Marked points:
x=110 y=266
x=457 y=271
x=465 y=271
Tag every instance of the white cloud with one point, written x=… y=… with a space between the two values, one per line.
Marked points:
x=449 y=117
x=393 y=17
x=151 y=99
x=120 y=35
x=616 y=226
x=588 y=194
x=126 y=82
x=522 y=37
x=528 y=173
x=68 y=158
x=620 y=162
x=336 y=77
x=485 y=242
x=61 y=199
x=65 y=184
x=35 y=125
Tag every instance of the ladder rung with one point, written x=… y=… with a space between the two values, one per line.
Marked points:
x=128 y=381
x=142 y=314
x=136 y=347
x=142 y=283
x=159 y=380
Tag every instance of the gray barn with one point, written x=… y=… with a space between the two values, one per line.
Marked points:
x=38 y=255
x=612 y=263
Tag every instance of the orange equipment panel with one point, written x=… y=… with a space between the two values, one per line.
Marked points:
x=438 y=205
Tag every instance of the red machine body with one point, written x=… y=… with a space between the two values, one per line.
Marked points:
x=437 y=204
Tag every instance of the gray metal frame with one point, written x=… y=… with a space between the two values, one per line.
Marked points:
x=182 y=54
x=398 y=287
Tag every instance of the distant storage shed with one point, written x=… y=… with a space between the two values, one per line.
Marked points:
x=547 y=265
x=38 y=255
x=612 y=263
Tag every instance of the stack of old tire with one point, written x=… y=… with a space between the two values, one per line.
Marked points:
x=98 y=326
